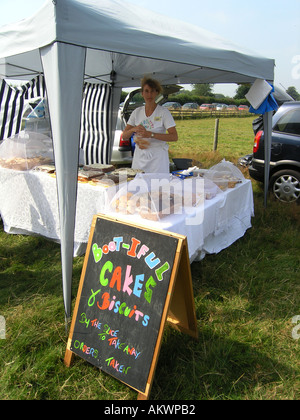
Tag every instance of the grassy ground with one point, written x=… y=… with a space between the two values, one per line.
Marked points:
x=197 y=136
x=245 y=297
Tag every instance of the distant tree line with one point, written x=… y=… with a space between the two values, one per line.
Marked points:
x=203 y=93
x=292 y=91
x=242 y=90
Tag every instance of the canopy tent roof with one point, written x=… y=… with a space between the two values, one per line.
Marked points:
x=110 y=41
x=130 y=41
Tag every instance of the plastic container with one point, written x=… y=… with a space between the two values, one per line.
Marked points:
x=182 y=163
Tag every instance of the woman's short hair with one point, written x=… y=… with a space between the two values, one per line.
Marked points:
x=154 y=84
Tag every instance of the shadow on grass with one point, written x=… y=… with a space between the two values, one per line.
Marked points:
x=214 y=368
x=31 y=265
x=254 y=281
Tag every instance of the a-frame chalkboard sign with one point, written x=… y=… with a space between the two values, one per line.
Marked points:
x=134 y=279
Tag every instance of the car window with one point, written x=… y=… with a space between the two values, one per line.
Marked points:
x=289 y=123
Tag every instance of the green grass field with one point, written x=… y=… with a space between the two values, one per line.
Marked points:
x=245 y=297
x=196 y=139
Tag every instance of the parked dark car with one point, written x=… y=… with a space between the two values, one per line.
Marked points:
x=172 y=105
x=190 y=105
x=285 y=154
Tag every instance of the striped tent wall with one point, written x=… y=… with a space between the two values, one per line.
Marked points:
x=95 y=115
x=12 y=104
x=95 y=123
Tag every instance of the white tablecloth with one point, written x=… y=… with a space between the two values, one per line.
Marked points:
x=28 y=205
x=223 y=220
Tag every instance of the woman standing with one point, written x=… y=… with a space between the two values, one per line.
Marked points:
x=154 y=127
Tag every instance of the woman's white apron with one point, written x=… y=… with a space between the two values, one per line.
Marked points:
x=155 y=159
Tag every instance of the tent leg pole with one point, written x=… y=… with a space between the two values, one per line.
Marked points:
x=67 y=323
x=268 y=139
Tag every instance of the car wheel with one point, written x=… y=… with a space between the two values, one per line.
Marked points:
x=285 y=185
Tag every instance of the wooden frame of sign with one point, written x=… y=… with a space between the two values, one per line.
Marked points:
x=134 y=279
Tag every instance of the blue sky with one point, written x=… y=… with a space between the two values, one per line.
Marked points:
x=267 y=27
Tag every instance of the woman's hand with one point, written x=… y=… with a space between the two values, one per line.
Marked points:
x=141 y=131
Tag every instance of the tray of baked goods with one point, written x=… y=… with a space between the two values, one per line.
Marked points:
x=96 y=174
x=105 y=175
x=225 y=175
x=24 y=164
x=46 y=168
x=93 y=173
x=224 y=180
x=149 y=205
x=25 y=151
x=156 y=196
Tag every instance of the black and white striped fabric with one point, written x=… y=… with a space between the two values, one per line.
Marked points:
x=12 y=102
x=95 y=116
x=95 y=123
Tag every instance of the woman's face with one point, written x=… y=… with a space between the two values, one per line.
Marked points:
x=149 y=94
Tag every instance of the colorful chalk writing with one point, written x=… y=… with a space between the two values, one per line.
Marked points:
x=112 y=341
x=117 y=344
x=120 y=278
x=116 y=365
x=112 y=336
x=84 y=320
x=122 y=298
x=122 y=309
x=86 y=349
x=115 y=246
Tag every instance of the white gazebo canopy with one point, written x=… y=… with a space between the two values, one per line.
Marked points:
x=113 y=42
